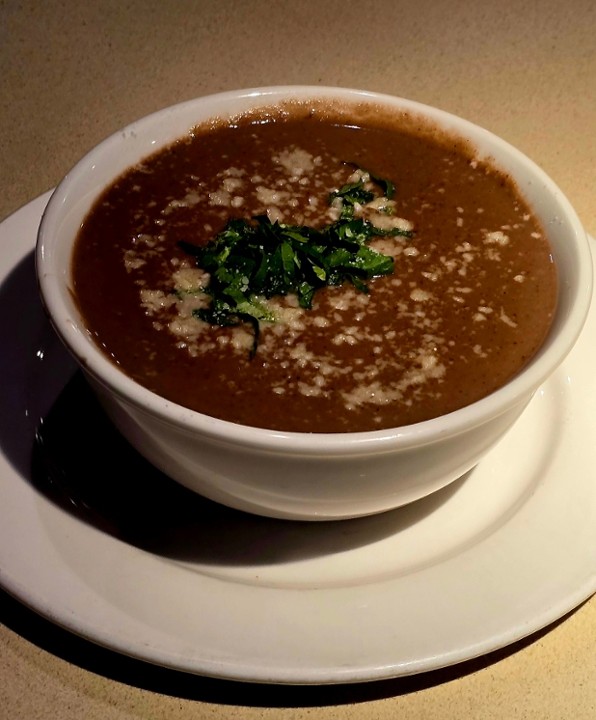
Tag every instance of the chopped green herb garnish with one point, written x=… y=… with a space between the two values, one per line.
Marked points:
x=351 y=194
x=255 y=259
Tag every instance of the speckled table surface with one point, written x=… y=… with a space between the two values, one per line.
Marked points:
x=72 y=74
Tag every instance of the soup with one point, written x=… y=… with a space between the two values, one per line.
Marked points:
x=464 y=302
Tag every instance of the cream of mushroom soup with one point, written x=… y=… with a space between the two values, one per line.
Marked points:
x=468 y=301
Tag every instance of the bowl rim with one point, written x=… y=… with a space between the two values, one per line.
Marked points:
x=517 y=390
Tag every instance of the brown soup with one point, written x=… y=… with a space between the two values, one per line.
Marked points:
x=469 y=301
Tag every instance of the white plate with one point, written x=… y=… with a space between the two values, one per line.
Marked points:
x=115 y=552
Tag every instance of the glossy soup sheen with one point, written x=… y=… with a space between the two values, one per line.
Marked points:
x=470 y=300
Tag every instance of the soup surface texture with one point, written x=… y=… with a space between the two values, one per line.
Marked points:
x=470 y=298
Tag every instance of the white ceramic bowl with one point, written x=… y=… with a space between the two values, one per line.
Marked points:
x=299 y=475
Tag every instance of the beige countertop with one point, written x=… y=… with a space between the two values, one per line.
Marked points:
x=74 y=73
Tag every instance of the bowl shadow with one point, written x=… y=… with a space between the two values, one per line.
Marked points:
x=82 y=463
x=56 y=435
